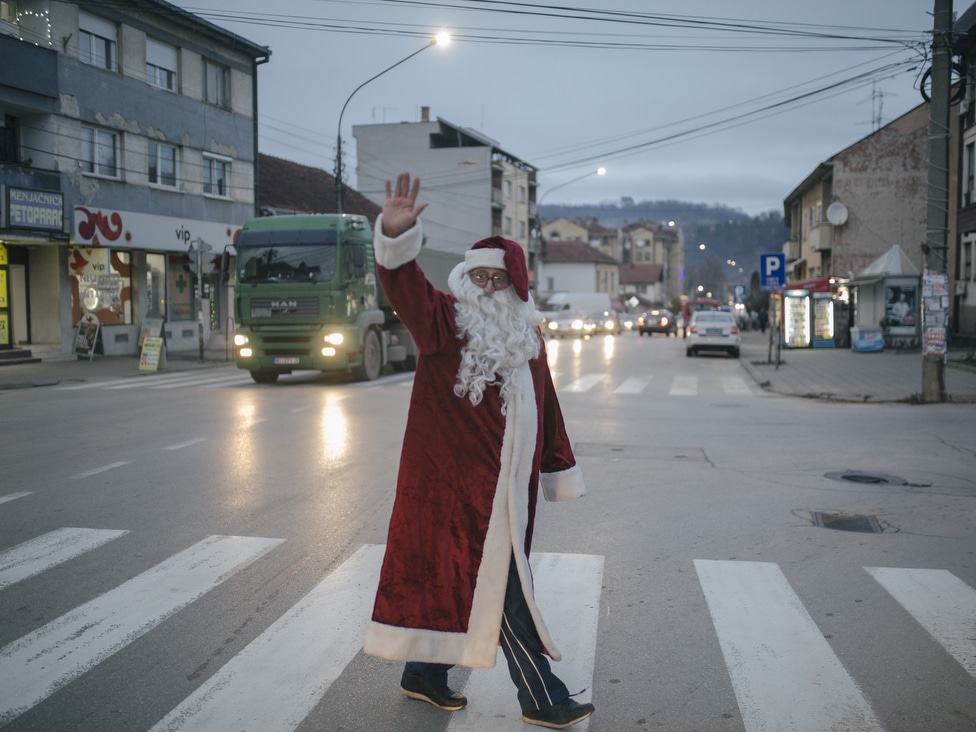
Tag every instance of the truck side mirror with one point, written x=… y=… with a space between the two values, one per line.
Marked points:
x=359 y=260
x=225 y=267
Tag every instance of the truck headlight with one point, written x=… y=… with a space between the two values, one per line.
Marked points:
x=240 y=340
x=246 y=352
x=335 y=339
x=328 y=351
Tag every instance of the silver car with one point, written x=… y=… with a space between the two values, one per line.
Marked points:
x=713 y=330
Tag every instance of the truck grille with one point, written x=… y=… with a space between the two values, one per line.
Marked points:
x=285 y=307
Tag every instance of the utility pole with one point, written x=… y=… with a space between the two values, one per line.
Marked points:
x=936 y=248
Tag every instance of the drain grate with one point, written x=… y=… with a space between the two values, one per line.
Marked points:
x=846 y=522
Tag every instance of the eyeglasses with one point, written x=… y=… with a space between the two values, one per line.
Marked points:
x=500 y=280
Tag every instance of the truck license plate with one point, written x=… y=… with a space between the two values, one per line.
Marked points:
x=286 y=360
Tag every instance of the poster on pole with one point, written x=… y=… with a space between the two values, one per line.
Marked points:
x=87 y=335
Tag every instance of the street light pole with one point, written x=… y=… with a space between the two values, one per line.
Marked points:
x=599 y=171
x=442 y=39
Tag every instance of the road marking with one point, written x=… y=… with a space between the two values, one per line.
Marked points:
x=273 y=684
x=684 y=386
x=129 y=382
x=206 y=381
x=941 y=602
x=632 y=385
x=567 y=589
x=104 y=468
x=38 y=664
x=14 y=496
x=181 y=445
x=735 y=386
x=784 y=673
x=584 y=383
x=49 y=550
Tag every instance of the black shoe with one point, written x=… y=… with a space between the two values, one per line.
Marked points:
x=442 y=697
x=559 y=716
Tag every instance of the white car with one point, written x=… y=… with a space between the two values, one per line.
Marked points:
x=713 y=330
x=563 y=323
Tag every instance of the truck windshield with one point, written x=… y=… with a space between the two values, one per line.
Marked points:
x=285 y=261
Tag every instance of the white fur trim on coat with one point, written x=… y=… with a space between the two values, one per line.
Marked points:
x=394 y=252
x=566 y=485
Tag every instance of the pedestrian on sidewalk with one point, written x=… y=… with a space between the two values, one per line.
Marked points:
x=484 y=432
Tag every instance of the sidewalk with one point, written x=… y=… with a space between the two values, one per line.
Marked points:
x=840 y=374
x=828 y=374
x=64 y=369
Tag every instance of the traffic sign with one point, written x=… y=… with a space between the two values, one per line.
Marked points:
x=772 y=271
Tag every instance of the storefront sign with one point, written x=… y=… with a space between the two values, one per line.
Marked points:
x=129 y=230
x=32 y=209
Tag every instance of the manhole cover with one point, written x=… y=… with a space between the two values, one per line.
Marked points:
x=846 y=522
x=854 y=476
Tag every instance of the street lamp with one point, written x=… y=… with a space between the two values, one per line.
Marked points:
x=599 y=171
x=441 y=39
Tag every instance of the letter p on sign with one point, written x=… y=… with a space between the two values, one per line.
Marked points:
x=772 y=271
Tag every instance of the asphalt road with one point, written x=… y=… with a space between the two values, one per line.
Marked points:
x=195 y=551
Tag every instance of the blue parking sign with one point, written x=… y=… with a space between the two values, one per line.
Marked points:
x=772 y=271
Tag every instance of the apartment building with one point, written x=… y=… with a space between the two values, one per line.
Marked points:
x=475 y=188
x=128 y=144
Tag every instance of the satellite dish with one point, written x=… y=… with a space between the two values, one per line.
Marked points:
x=837 y=213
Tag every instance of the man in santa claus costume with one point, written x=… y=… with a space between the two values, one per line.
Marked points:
x=484 y=433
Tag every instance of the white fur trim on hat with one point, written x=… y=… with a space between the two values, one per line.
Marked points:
x=474 y=258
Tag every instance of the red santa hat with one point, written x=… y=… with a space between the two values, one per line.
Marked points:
x=499 y=253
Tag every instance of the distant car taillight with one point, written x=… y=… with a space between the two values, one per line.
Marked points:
x=735 y=329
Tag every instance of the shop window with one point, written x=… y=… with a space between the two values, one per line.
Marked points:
x=160 y=64
x=97 y=41
x=967 y=260
x=100 y=152
x=9 y=144
x=216 y=83
x=101 y=284
x=215 y=173
x=163 y=165
x=181 y=289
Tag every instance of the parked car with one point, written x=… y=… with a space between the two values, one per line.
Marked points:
x=607 y=321
x=713 y=330
x=656 y=321
x=563 y=323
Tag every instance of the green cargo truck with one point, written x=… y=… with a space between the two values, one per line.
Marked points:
x=307 y=298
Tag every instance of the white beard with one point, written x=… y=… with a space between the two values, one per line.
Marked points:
x=501 y=336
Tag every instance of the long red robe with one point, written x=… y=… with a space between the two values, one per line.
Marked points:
x=467 y=486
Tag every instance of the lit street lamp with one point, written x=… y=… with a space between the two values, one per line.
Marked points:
x=442 y=39
x=599 y=171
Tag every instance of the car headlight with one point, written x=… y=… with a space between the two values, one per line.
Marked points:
x=553 y=325
x=577 y=325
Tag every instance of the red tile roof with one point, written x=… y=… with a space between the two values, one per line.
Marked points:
x=640 y=274
x=573 y=251
x=290 y=186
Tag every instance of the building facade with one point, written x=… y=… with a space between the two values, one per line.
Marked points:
x=474 y=188
x=128 y=158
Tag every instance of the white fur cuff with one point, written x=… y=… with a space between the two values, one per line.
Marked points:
x=395 y=252
x=566 y=485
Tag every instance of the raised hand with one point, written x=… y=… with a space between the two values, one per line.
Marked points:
x=401 y=210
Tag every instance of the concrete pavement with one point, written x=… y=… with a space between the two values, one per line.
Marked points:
x=827 y=374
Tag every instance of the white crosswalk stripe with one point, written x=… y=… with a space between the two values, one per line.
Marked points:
x=177 y=380
x=678 y=386
x=632 y=385
x=771 y=645
x=684 y=386
x=34 y=556
x=35 y=666
x=941 y=602
x=773 y=650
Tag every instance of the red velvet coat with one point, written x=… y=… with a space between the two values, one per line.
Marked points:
x=467 y=487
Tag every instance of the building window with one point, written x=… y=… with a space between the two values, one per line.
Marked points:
x=522 y=229
x=160 y=64
x=9 y=143
x=216 y=83
x=508 y=188
x=97 y=41
x=967 y=192
x=100 y=152
x=967 y=260
x=521 y=198
x=508 y=225
x=215 y=174
x=104 y=284
x=163 y=165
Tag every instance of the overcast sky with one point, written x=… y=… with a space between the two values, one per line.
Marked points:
x=730 y=102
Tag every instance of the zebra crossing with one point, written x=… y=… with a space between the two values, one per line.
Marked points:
x=783 y=672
